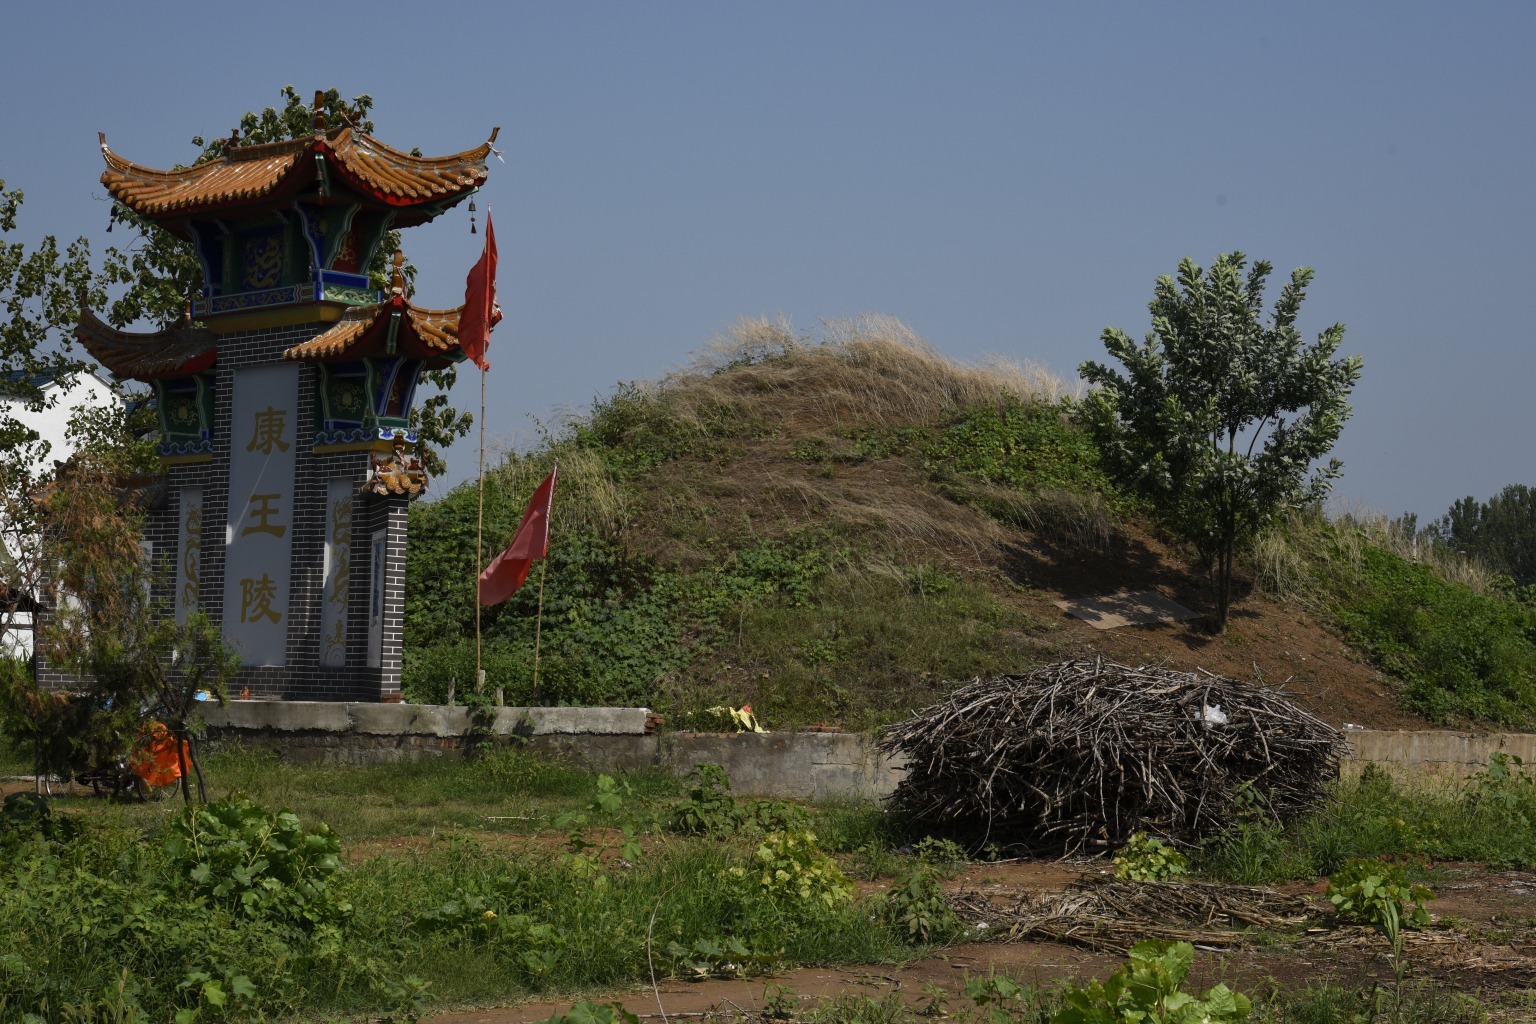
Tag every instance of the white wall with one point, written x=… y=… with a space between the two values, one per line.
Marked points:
x=50 y=424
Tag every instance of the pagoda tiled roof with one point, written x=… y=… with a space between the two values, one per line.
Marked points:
x=178 y=349
x=276 y=171
x=431 y=334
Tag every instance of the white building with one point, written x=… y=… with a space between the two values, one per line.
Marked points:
x=51 y=424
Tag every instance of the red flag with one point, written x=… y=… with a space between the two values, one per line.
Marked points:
x=480 y=310
x=503 y=576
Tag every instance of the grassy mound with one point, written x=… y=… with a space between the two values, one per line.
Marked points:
x=810 y=525
x=831 y=527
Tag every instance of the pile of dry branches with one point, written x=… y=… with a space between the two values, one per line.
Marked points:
x=1077 y=756
x=1114 y=915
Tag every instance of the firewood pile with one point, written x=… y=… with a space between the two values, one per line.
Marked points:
x=1074 y=757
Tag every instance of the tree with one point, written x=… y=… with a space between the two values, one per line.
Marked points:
x=1219 y=419
x=40 y=296
x=135 y=664
x=160 y=270
x=71 y=532
x=1500 y=531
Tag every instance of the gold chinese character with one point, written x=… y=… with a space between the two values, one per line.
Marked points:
x=268 y=431
x=262 y=510
x=256 y=597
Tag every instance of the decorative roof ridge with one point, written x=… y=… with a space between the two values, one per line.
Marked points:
x=175 y=348
x=181 y=330
x=122 y=165
x=362 y=140
x=265 y=150
x=437 y=329
x=336 y=141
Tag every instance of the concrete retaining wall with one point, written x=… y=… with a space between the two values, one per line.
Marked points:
x=802 y=766
x=360 y=733
x=1434 y=755
x=816 y=766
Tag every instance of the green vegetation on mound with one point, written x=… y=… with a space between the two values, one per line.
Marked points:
x=1463 y=643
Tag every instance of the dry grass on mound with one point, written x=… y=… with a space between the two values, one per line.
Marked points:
x=871 y=370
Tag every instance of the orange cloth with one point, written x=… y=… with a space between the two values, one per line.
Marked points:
x=155 y=761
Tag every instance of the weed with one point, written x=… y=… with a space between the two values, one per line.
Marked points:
x=779 y=1002
x=872 y=861
x=1376 y=892
x=1146 y=858
x=719 y=958
x=1506 y=789
x=587 y=1012
x=793 y=871
x=944 y=855
x=1148 y=988
x=260 y=864
x=917 y=905
x=709 y=809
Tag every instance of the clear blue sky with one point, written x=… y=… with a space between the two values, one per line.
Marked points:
x=1006 y=178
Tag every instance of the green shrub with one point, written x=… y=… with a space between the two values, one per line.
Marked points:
x=916 y=906
x=946 y=855
x=1148 y=990
x=793 y=872
x=260 y=864
x=1505 y=789
x=1374 y=892
x=1146 y=858
x=710 y=810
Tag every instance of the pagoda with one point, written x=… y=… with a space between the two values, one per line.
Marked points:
x=284 y=399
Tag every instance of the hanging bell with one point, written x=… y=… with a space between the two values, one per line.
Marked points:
x=472 y=216
x=111 y=219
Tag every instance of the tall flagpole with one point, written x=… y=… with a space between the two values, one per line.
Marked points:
x=538 y=625
x=480 y=539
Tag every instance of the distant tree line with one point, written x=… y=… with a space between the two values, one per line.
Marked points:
x=1499 y=532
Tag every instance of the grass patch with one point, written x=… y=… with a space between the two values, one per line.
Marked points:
x=501 y=791
x=110 y=917
x=865 y=648
x=1460 y=654
x=1490 y=819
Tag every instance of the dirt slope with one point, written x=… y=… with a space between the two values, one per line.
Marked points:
x=1278 y=644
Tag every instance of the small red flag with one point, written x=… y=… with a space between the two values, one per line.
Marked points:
x=503 y=576
x=480 y=310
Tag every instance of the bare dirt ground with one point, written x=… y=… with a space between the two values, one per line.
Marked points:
x=1483 y=940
